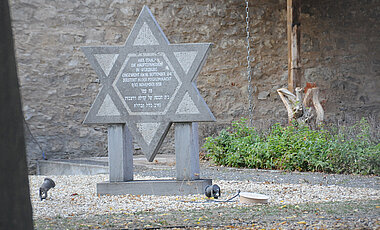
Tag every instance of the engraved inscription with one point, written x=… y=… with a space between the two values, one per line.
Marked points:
x=147 y=83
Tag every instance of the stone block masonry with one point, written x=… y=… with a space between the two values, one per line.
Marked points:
x=340 y=45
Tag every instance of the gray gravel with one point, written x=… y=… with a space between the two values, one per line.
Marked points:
x=297 y=200
x=271 y=176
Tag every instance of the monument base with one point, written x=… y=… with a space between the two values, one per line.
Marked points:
x=153 y=187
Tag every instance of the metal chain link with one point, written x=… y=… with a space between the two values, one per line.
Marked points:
x=250 y=109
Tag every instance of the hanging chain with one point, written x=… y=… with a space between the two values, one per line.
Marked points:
x=250 y=109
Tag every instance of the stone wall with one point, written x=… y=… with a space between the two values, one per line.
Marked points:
x=340 y=52
x=341 y=46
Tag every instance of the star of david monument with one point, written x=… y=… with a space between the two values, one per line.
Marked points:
x=147 y=85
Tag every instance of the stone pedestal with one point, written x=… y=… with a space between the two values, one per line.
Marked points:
x=187 y=151
x=120 y=153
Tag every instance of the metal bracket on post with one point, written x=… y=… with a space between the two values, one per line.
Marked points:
x=120 y=153
x=187 y=151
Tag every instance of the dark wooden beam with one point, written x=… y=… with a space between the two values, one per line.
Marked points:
x=15 y=206
x=294 y=44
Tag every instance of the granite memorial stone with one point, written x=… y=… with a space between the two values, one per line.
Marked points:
x=148 y=84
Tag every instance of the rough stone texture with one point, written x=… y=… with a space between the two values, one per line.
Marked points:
x=340 y=52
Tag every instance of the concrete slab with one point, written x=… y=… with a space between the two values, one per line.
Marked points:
x=97 y=165
x=75 y=167
x=153 y=187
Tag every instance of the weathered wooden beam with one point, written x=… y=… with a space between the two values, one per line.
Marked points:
x=294 y=44
x=318 y=107
x=312 y=99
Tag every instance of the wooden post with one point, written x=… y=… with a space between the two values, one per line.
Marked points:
x=294 y=44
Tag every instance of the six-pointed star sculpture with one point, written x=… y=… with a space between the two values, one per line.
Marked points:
x=148 y=83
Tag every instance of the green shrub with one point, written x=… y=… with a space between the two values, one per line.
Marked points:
x=347 y=150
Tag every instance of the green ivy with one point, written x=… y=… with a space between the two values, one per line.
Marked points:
x=339 y=150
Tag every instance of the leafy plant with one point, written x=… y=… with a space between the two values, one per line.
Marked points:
x=347 y=150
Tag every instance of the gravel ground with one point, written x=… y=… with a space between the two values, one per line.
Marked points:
x=273 y=176
x=74 y=198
